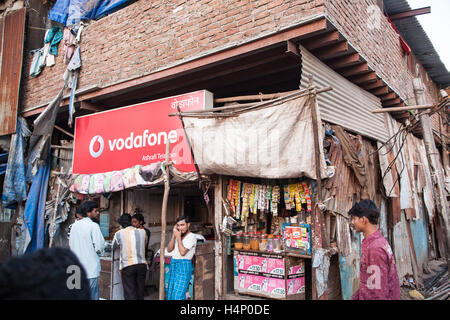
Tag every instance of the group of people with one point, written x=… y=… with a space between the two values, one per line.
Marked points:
x=132 y=240
x=44 y=273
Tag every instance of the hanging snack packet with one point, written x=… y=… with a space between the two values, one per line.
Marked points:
x=287 y=198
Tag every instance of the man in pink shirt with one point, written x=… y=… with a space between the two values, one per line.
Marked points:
x=378 y=279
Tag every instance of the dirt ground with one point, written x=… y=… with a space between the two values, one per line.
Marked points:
x=434 y=266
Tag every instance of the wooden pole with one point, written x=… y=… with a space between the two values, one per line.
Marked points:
x=317 y=211
x=163 y=222
x=255 y=105
x=314 y=108
x=442 y=211
x=64 y=131
x=394 y=109
x=218 y=244
x=254 y=97
x=261 y=96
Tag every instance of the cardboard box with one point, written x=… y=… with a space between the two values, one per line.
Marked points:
x=295 y=286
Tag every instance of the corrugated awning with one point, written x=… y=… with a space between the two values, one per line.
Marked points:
x=416 y=37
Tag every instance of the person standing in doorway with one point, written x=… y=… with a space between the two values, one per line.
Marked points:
x=87 y=242
x=137 y=220
x=133 y=266
x=78 y=216
x=182 y=246
x=378 y=279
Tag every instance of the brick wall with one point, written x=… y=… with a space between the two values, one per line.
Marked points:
x=366 y=28
x=152 y=35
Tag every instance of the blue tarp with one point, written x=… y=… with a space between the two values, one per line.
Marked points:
x=34 y=215
x=108 y=6
x=3 y=160
x=70 y=12
x=14 y=186
x=4 y=157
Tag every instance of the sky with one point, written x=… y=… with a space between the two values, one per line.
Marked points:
x=437 y=25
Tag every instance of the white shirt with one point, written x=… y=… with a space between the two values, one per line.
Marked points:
x=189 y=242
x=87 y=242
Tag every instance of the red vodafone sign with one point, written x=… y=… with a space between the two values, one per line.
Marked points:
x=136 y=135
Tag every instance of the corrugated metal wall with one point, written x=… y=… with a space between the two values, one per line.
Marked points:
x=346 y=105
x=13 y=26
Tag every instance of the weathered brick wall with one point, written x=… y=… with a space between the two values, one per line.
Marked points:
x=151 y=35
x=369 y=31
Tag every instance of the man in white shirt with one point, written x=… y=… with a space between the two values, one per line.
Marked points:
x=87 y=242
x=182 y=249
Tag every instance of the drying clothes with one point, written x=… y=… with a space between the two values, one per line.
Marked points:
x=53 y=37
x=69 y=47
x=37 y=63
x=73 y=67
x=75 y=61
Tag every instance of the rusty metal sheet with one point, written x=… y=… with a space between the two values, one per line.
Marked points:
x=349 y=244
x=11 y=69
x=420 y=238
x=1 y=43
x=402 y=250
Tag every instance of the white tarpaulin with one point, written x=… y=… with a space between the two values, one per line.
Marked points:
x=272 y=142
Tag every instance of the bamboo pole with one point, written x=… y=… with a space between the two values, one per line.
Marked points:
x=64 y=131
x=252 y=105
x=61 y=147
x=254 y=97
x=317 y=211
x=314 y=108
x=218 y=240
x=394 y=109
x=163 y=222
x=269 y=96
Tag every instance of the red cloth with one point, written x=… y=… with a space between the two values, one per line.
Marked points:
x=403 y=43
x=378 y=278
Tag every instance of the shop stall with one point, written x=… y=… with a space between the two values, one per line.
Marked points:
x=269 y=158
x=270 y=233
x=121 y=159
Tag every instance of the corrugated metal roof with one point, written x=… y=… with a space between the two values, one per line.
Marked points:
x=347 y=104
x=416 y=37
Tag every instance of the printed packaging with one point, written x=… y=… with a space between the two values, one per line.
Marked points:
x=298 y=238
x=295 y=286
x=260 y=264
x=262 y=285
x=271 y=287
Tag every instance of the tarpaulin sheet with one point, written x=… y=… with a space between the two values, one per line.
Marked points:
x=276 y=141
x=34 y=214
x=14 y=186
x=70 y=12
x=107 y=6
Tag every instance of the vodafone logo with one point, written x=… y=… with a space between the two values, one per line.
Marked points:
x=96 y=154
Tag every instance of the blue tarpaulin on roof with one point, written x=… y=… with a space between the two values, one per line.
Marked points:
x=70 y=12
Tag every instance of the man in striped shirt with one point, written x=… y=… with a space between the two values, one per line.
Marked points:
x=133 y=265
